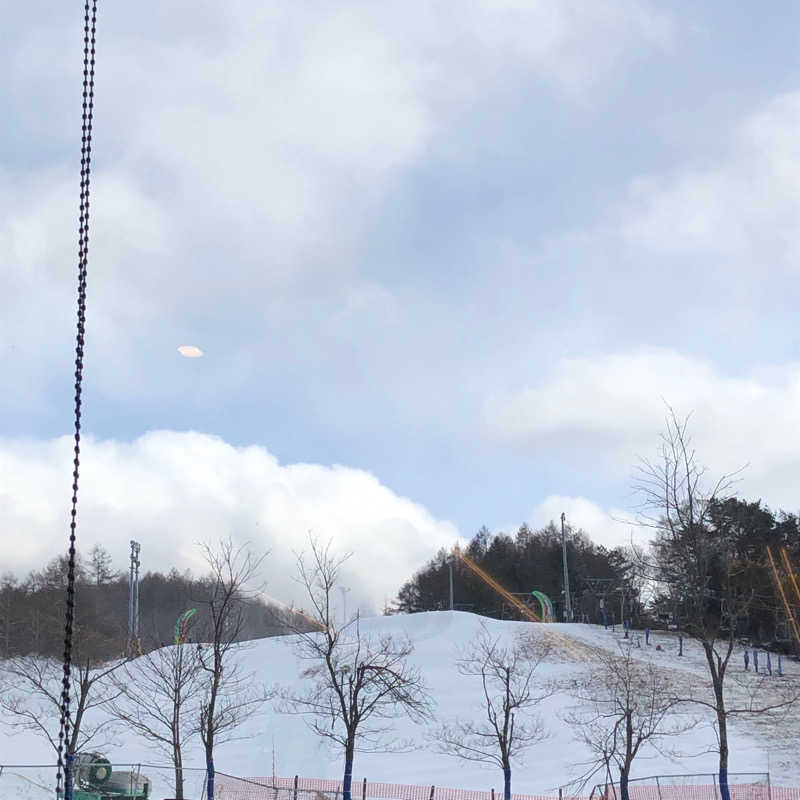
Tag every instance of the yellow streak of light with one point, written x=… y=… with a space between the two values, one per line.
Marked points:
x=783 y=596
x=526 y=612
x=789 y=569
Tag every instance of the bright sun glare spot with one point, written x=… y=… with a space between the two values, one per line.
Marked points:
x=190 y=351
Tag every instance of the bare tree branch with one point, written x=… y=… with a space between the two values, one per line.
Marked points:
x=158 y=696
x=696 y=563
x=508 y=729
x=626 y=703
x=31 y=698
x=358 y=683
x=230 y=695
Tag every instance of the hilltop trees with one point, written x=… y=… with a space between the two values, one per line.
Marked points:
x=32 y=609
x=99 y=568
x=357 y=682
x=749 y=528
x=531 y=559
x=12 y=597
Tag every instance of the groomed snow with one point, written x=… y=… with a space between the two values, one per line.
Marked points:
x=437 y=637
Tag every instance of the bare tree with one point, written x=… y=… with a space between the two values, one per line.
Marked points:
x=31 y=699
x=508 y=694
x=357 y=682
x=627 y=703
x=158 y=696
x=99 y=567
x=708 y=584
x=230 y=695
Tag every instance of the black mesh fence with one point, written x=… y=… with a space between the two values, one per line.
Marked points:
x=741 y=786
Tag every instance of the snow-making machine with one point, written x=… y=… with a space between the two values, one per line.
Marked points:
x=94 y=778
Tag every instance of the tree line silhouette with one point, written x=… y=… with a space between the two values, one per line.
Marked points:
x=32 y=609
x=617 y=579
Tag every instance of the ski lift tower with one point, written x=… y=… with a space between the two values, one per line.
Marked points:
x=567 y=598
x=133 y=601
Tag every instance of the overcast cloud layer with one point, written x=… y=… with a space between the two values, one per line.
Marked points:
x=174 y=492
x=466 y=249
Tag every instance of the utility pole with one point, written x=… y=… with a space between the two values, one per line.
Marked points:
x=136 y=598
x=567 y=598
x=450 y=565
x=133 y=601
x=344 y=590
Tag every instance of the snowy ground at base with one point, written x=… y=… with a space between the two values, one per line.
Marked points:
x=286 y=742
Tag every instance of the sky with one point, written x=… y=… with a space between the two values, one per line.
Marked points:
x=448 y=263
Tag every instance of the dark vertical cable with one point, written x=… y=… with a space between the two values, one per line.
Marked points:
x=89 y=28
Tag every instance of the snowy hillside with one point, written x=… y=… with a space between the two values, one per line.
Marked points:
x=437 y=637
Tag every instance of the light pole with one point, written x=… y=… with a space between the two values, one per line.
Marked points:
x=450 y=566
x=567 y=598
x=133 y=601
x=344 y=590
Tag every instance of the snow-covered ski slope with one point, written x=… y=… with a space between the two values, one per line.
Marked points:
x=438 y=637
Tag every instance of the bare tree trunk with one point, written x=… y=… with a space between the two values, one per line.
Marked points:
x=348 y=769
x=177 y=755
x=623 y=786
x=508 y=727
x=507 y=782
x=625 y=772
x=722 y=722
x=83 y=692
x=210 y=730
x=717 y=681
x=210 y=773
x=177 y=760
x=76 y=725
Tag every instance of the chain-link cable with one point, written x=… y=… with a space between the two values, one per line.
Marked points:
x=89 y=29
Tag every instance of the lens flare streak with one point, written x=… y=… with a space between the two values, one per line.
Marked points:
x=779 y=584
x=790 y=572
x=526 y=612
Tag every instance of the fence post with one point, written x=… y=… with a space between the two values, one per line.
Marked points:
x=295 y=787
x=364 y=790
x=658 y=788
x=560 y=793
x=492 y=793
x=432 y=790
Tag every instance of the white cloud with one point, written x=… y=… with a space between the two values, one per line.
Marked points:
x=611 y=408
x=571 y=43
x=171 y=490
x=745 y=204
x=251 y=148
x=604 y=526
